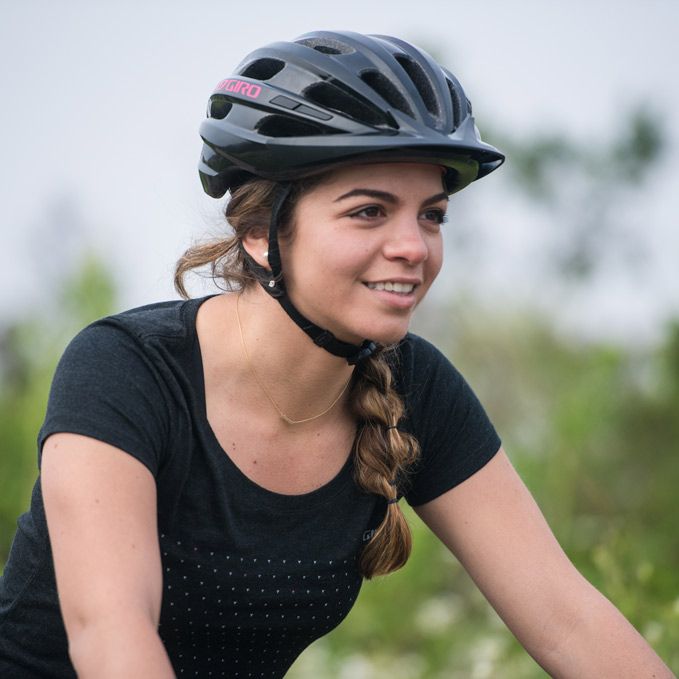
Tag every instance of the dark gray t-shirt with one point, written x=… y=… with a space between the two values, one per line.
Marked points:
x=250 y=577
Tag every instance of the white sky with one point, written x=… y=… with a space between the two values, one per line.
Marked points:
x=101 y=104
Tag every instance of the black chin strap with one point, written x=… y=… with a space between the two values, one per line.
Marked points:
x=272 y=281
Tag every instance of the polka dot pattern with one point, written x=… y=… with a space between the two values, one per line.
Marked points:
x=226 y=615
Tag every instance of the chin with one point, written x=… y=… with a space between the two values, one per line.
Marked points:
x=383 y=329
x=382 y=336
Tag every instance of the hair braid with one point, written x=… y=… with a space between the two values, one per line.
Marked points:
x=381 y=455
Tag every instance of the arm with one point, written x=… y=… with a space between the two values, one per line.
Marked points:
x=100 y=505
x=494 y=527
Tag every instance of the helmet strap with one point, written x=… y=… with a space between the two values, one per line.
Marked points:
x=272 y=281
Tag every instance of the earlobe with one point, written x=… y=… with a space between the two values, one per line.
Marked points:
x=257 y=248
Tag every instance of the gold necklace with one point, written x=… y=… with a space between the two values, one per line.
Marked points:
x=283 y=416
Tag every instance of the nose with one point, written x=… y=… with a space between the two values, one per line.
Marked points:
x=407 y=241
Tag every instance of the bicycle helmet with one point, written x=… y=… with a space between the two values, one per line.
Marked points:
x=326 y=99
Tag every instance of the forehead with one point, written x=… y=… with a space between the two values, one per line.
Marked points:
x=397 y=177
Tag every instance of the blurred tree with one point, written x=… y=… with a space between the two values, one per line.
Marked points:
x=29 y=349
x=583 y=187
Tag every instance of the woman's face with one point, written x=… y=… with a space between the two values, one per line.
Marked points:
x=366 y=247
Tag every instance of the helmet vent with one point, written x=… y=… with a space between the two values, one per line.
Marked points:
x=219 y=107
x=458 y=108
x=277 y=125
x=327 y=45
x=387 y=90
x=332 y=97
x=263 y=69
x=421 y=82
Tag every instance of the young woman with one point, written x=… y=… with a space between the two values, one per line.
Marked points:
x=218 y=475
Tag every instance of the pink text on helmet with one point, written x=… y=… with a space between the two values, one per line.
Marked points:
x=239 y=87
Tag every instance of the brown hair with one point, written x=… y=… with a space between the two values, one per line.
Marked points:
x=382 y=453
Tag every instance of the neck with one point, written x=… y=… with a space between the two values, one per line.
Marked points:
x=300 y=377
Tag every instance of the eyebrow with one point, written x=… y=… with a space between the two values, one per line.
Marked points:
x=388 y=197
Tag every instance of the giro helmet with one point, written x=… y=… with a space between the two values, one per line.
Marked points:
x=297 y=108
x=327 y=99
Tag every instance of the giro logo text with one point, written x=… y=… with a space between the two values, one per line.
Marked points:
x=239 y=87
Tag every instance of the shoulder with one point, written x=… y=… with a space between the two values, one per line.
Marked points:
x=139 y=328
x=421 y=369
x=170 y=319
x=142 y=351
x=442 y=411
x=416 y=352
x=121 y=379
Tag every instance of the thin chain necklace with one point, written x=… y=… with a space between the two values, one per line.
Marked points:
x=283 y=416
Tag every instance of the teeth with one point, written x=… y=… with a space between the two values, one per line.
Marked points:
x=389 y=286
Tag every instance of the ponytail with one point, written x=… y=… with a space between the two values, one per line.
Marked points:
x=381 y=455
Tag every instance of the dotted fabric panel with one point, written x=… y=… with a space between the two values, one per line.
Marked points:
x=226 y=615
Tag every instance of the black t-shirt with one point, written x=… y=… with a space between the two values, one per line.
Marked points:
x=250 y=577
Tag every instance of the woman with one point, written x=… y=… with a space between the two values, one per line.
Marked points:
x=218 y=475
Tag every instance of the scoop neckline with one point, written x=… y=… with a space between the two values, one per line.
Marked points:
x=251 y=489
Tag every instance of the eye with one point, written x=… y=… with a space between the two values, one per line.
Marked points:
x=368 y=212
x=435 y=215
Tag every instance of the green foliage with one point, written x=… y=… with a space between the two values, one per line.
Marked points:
x=538 y=165
x=637 y=151
x=29 y=350
x=584 y=187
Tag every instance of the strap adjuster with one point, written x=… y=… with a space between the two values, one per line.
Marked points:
x=323 y=338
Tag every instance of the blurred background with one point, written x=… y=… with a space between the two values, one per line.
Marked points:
x=559 y=299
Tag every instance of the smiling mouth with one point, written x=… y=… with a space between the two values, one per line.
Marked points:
x=389 y=286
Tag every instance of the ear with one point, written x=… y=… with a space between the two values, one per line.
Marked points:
x=256 y=244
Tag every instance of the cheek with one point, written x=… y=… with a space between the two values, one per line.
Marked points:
x=439 y=264
x=326 y=264
x=435 y=259
x=343 y=257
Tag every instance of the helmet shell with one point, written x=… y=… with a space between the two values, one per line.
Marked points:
x=328 y=99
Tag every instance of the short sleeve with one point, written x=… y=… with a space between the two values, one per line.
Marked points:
x=455 y=434
x=107 y=387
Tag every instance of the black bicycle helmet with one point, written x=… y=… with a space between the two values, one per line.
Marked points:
x=327 y=99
